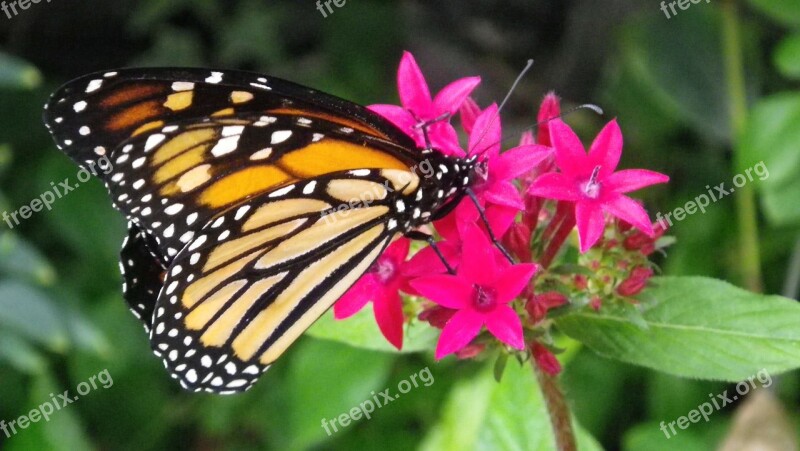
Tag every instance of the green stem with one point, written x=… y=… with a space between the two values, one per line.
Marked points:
x=560 y=417
x=746 y=212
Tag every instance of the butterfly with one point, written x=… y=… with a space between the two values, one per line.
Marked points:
x=253 y=204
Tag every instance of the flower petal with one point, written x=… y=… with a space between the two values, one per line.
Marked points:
x=469 y=111
x=412 y=87
x=607 y=148
x=448 y=226
x=527 y=138
x=591 y=224
x=503 y=193
x=513 y=280
x=388 y=310
x=570 y=153
x=477 y=256
x=464 y=326
x=397 y=251
x=398 y=116
x=448 y=291
x=631 y=211
x=555 y=186
x=518 y=161
x=549 y=109
x=452 y=96
x=504 y=324
x=486 y=134
x=633 y=179
x=356 y=297
x=443 y=137
x=426 y=262
x=500 y=219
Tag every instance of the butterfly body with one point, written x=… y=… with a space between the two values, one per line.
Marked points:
x=254 y=204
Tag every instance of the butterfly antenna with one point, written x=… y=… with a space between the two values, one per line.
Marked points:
x=585 y=106
x=524 y=71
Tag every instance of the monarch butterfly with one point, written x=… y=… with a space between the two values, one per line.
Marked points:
x=229 y=181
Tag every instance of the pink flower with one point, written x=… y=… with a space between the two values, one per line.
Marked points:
x=590 y=182
x=381 y=284
x=481 y=292
x=418 y=106
x=494 y=186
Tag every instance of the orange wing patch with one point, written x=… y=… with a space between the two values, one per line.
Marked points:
x=333 y=155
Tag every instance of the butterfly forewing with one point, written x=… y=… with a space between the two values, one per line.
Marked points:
x=172 y=180
x=92 y=115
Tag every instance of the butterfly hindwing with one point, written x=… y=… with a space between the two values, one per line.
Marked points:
x=260 y=274
x=143 y=272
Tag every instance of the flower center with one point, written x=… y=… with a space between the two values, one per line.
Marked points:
x=384 y=269
x=591 y=188
x=484 y=298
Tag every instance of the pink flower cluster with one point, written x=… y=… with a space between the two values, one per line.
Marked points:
x=534 y=195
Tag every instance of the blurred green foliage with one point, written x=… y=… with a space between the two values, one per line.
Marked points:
x=62 y=318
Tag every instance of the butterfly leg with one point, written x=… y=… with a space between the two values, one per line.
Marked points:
x=417 y=235
x=482 y=214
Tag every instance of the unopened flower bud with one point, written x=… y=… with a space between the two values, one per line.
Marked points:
x=545 y=359
x=636 y=282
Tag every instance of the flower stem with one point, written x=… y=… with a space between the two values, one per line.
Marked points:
x=560 y=234
x=746 y=212
x=557 y=408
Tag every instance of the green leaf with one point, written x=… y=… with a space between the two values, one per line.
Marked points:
x=19 y=258
x=787 y=56
x=20 y=354
x=362 y=331
x=771 y=143
x=33 y=315
x=484 y=415
x=698 y=327
x=648 y=437
x=63 y=431
x=327 y=387
x=16 y=73
x=784 y=11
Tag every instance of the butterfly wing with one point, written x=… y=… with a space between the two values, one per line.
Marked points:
x=92 y=115
x=143 y=271
x=260 y=274
x=172 y=180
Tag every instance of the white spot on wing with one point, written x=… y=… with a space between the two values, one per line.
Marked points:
x=215 y=77
x=94 y=85
x=281 y=136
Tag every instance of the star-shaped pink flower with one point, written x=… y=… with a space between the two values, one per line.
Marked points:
x=494 y=185
x=382 y=284
x=481 y=292
x=590 y=182
x=418 y=106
